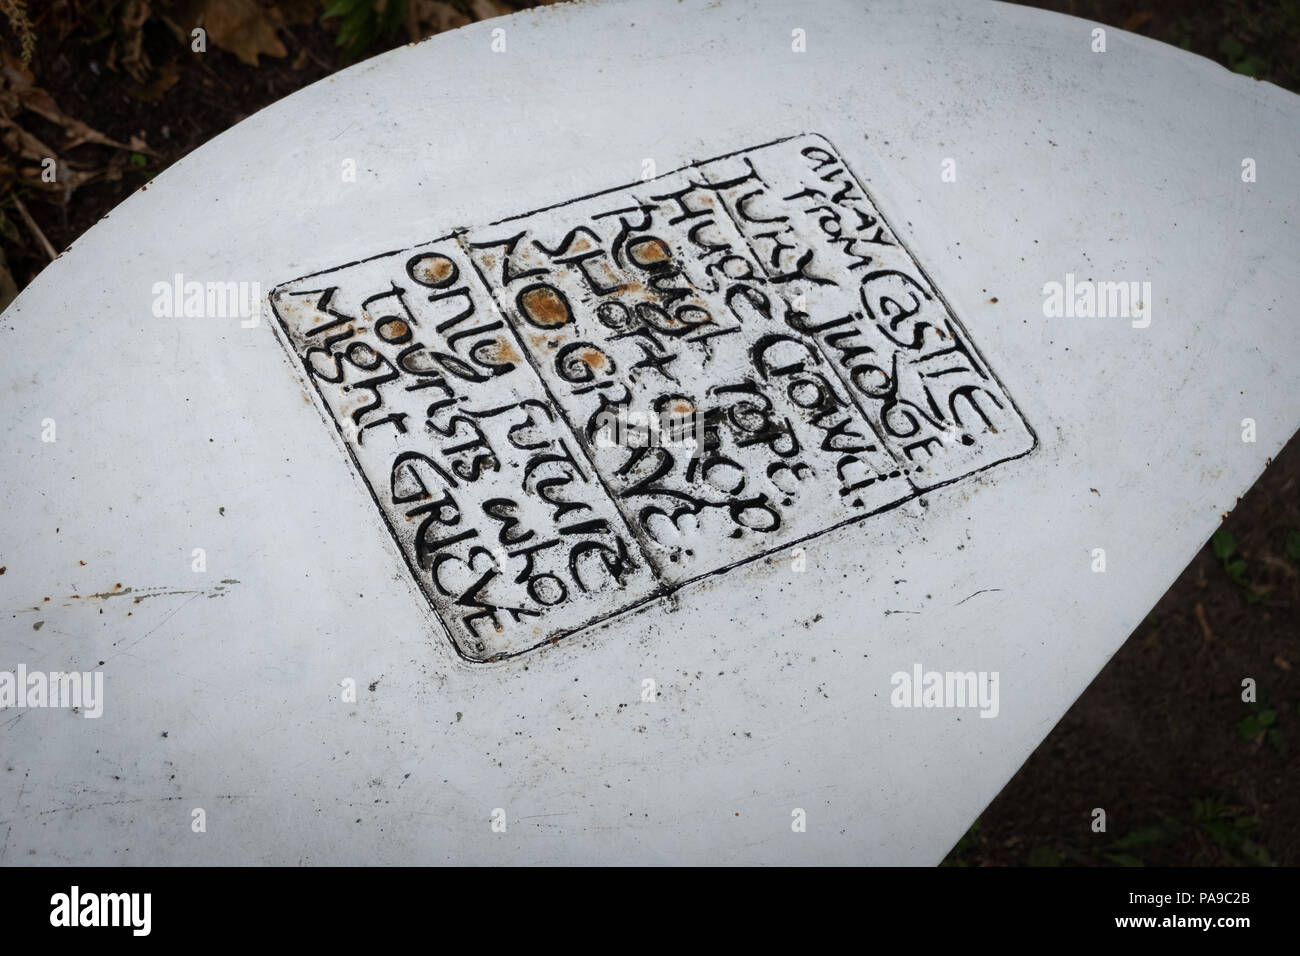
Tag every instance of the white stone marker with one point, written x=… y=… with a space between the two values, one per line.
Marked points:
x=668 y=392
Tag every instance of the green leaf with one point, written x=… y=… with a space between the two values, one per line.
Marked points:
x=968 y=842
x=1223 y=543
x=1231 y=47
x=1222 y=833
x=1255 y=853
x=1123 y=859
x=1142 y=836
x=1045 y=856
x=1251 y=66
x=338 y=8
x=1293 y=544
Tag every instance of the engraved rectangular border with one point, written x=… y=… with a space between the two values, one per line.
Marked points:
x=663 y=591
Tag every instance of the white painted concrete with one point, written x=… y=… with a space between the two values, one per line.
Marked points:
x=222 y=687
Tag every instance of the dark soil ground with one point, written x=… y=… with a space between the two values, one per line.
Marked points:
x=1186 y=771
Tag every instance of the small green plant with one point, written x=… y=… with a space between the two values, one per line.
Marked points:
x=363 y=22
x=1261 y=724
x=1225 y=549
x=1045 y=856
x=969 y=841
x=1124 y=850
x=1231 y=830
x=1293 y=545
x=1234 y=51
x=1216 y=825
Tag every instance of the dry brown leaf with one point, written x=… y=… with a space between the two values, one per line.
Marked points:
x=20 y=86
x=298 y=11
x=1137 y=20
x=164 y=78
x=16 y=77
x=1204 y=622
x=245 y=28
x=19 y=142
x=134 y=15
x=116 y=166
x=435 y=16
x=487 y=9
x=18 y=92
x=181 y=17
x=79 y=132
x=70 y=179
x=8 y=287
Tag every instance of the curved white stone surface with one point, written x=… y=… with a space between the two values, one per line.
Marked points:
x=221 y=688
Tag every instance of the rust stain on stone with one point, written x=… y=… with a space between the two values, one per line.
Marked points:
x=544 y=307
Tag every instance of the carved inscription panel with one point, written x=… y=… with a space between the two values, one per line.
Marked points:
x=569 y=413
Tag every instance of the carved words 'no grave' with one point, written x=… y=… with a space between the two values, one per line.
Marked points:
x=570 y=413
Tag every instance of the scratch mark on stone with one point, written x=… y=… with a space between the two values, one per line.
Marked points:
x=976 y=594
